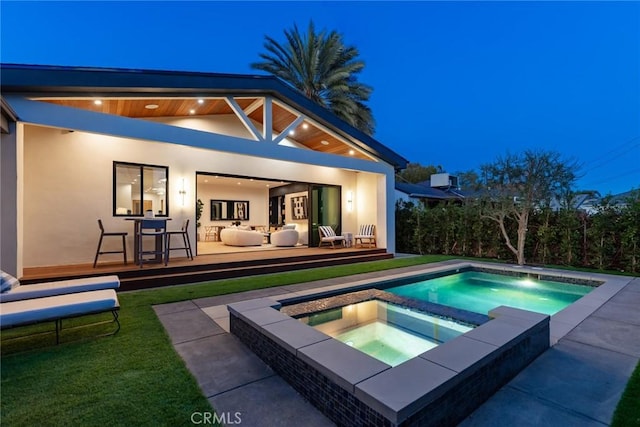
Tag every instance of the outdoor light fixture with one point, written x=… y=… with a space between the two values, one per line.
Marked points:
x=97 y=102
x=349 y=201
x=182 y=192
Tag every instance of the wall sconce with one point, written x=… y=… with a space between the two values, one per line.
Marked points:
x=350 y=201
x=182 y=192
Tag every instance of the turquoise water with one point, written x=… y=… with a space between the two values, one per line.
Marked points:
x=387 y=332
x=480 y=292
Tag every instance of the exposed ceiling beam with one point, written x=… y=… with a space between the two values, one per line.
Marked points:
x=246 y=121
x=285 y=132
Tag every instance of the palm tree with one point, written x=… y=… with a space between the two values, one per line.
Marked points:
x=324 y=69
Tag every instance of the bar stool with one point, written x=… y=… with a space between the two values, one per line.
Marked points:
x=158 y=229
x=103 y=233
x=185 y=239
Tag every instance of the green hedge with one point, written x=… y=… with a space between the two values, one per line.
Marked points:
x=608 y=239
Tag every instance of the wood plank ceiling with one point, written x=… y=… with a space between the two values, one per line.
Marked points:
x=306 y=134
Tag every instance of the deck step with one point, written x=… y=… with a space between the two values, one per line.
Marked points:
x=161 y=277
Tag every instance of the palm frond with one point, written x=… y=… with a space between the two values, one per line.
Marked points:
x=324 y=69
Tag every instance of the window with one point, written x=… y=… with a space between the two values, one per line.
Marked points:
x=139 y=188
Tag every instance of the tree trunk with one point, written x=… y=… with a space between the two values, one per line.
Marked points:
x=522 y=237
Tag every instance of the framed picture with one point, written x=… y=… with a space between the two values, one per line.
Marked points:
x=299 y=207
x=229 y=210
x=241 y=210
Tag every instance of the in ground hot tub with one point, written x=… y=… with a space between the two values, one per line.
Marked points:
x=440 y=386
x=388 y=332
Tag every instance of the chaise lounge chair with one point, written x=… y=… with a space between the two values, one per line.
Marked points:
x=55 y=301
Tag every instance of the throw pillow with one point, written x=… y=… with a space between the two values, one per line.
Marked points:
x=7 y=282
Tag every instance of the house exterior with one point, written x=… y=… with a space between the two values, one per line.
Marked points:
x=440 y=187
x=81 y=144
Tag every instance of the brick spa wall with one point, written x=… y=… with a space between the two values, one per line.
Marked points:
x=446 y=404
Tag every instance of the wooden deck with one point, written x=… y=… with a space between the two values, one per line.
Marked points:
x=208 y=267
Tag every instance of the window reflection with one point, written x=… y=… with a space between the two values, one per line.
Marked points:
x=138 y=188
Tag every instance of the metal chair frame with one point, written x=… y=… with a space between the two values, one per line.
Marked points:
x=184 y=232
x=103 y=234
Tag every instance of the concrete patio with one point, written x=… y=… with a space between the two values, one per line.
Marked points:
x=578 y=381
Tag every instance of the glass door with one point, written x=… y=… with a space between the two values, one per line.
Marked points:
x=325 y=209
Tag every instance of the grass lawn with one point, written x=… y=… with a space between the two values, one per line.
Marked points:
x=135 y=377
x=628 y=411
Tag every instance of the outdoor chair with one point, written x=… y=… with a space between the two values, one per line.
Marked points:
x=104 y=234
x=327 y=235
x=156 y=228
x=185 y=240
x=367 y=232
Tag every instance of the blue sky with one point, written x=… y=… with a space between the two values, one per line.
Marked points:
x=455 y=84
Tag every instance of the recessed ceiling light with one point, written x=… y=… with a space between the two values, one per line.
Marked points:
x=268 y=185
x=192 y=111
x=206 y=180
x=151 y=106
x=305 y=126
x=352 y=152
x=292 y=132
x=97 y=102
x=200 y=101
x=323 y=142
x=239 y=183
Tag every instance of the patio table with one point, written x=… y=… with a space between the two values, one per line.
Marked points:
x=136 y=232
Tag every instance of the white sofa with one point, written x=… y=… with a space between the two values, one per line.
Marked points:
x=284 y=238
x=232 y=236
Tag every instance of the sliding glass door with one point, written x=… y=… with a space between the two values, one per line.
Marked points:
x=326 y=209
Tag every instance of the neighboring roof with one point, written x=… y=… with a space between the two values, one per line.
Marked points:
x=423 y=192
x=625 y=197
x=40 y=79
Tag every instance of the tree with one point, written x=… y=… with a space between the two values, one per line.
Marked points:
x=519 y=183
x=469 y=180
x=415 y=173
x=323 y=68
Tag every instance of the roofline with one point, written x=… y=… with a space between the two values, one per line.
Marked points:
x=7 y=110
x=53 y=79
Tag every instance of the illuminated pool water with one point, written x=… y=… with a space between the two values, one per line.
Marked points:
x=387 y=332
x=480 y=292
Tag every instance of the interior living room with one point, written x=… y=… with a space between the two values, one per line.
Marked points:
x=243 y=214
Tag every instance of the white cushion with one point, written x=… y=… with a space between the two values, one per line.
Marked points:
x=34 y=310
x=61 y=288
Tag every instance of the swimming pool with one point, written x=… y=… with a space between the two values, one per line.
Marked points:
x=390 y=333
x=481 y=292
x=439 y=386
